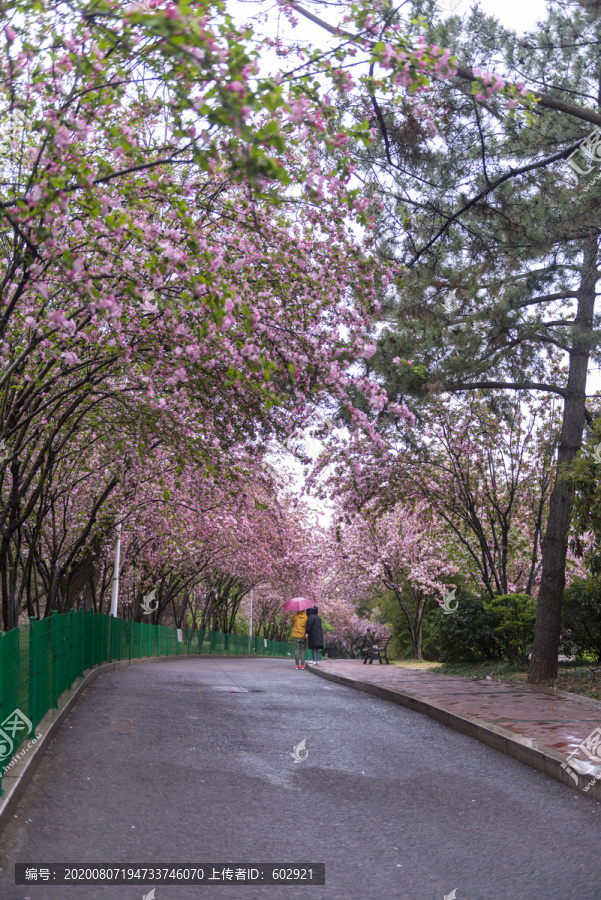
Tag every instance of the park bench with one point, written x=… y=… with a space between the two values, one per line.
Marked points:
x=378 y=651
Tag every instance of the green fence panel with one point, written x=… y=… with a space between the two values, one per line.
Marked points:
x=40 y=663
x=15 y=697
x=42 y=660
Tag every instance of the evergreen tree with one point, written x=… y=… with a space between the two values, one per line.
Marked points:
x=496 y=223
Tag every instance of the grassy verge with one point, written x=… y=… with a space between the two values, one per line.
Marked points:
x=573 y=677
x=579 y=679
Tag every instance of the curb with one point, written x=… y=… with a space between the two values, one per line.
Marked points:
x=15 y=783
x=545 y=760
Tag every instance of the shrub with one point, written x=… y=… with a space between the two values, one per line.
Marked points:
x=514 y=618
x=468 y=634
x=581 y=618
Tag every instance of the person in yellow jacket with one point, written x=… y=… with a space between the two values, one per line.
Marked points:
x=299 y=621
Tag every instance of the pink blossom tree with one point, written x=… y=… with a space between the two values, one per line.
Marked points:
x=404 y=551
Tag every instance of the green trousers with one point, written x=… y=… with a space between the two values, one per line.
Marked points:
x=299 y=651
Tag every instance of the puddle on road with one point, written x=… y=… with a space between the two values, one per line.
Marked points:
x=229 y=689
x=121 y=726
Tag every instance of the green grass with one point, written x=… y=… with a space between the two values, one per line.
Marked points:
x=498 y=668
x=415 y=663
x=502 y=669
x=579 y=679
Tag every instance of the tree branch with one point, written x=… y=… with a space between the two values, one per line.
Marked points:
x=544 y=100
x=510 y=385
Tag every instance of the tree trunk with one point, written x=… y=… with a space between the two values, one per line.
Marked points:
x=10 y=612
x=415 y=625
x=554 y=545
x=417 y=642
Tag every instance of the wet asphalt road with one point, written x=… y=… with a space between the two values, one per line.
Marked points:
x=396 y=805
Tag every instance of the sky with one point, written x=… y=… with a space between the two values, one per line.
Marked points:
x=520 y=15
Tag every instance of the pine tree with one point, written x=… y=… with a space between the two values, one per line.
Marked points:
x=497 y=223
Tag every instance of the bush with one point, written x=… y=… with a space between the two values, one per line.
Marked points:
x=514 y=618
x=467 y=635
x=581 y=619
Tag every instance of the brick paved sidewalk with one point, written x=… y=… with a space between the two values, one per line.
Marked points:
x=548 y=719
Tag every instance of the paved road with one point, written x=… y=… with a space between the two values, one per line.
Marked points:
x=396 y=805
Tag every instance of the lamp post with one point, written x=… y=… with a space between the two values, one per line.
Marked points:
x=115 y=589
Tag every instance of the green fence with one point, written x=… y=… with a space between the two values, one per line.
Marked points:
x=39 y=661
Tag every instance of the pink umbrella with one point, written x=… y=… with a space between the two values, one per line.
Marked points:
x=298 y=603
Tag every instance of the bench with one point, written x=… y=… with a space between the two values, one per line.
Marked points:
x=378 y=651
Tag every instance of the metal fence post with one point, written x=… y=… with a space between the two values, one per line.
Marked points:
x=109 y=649
x=71 y=622
x=54 y=624
x=81 y=642
x=104 y=646
x=92 y=616
x=32 y=673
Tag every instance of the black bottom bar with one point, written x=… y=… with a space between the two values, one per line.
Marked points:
x=170 y=873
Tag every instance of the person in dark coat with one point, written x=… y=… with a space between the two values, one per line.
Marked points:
x=368 y=642
x=314 y=633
